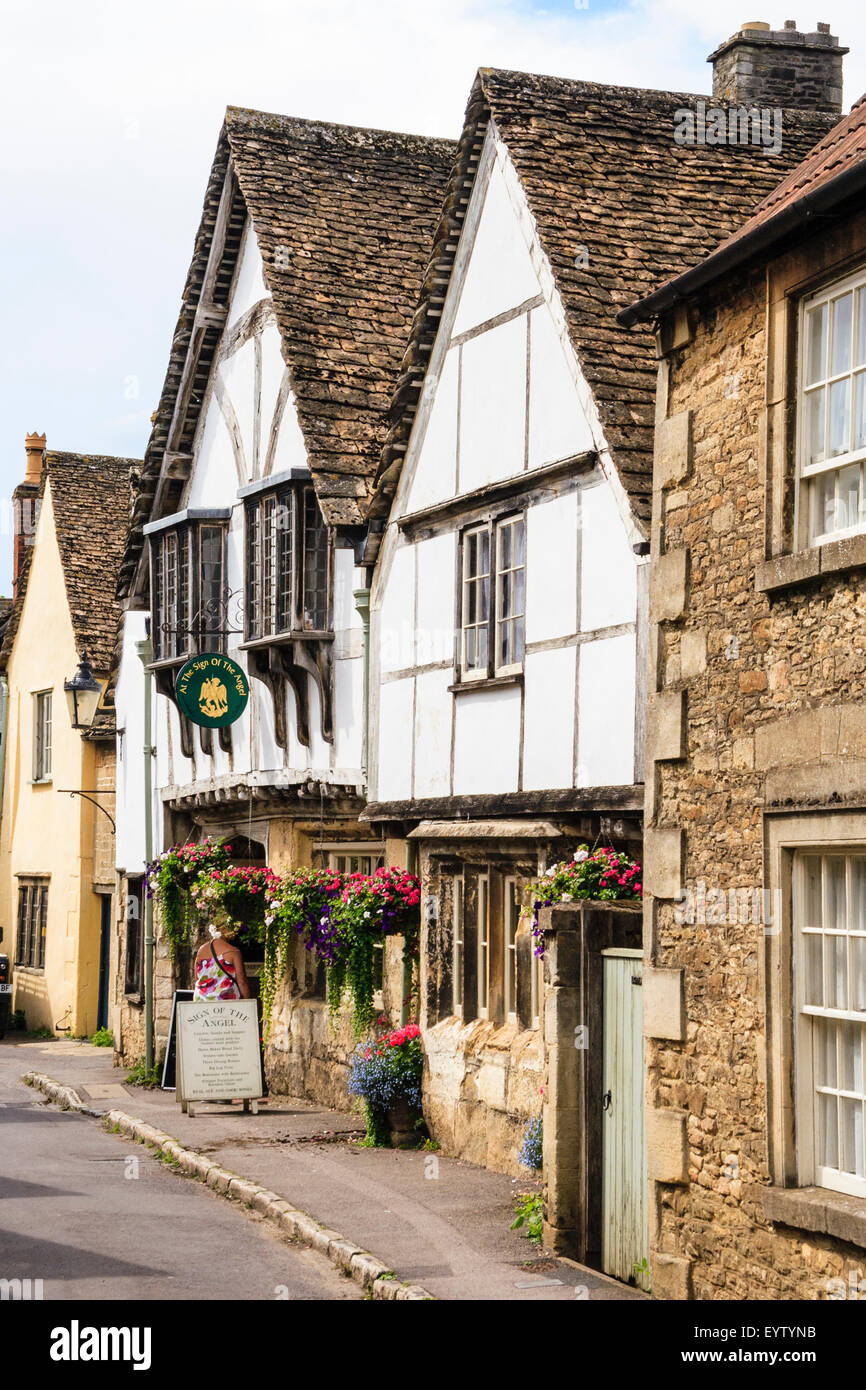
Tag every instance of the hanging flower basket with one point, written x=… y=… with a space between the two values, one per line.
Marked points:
x=604 y=875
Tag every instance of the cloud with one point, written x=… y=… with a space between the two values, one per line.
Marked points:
x=111 y=114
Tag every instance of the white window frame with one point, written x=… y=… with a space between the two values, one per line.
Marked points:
x=467 y=672
x=483 y=945
x=506 y=523
x=42 y=734
x=457 y=944
x=811 y=1020
x=808 y=473
x=494 y=531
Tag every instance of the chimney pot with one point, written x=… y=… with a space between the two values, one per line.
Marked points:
x=764 y=67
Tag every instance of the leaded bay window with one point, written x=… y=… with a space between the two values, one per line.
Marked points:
x=188 y=597
x=492 y=599
x=288 y=563
x=830 y=926
x=832 y=412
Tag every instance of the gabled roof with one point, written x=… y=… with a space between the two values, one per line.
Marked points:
x=832 y=172
x=91 y=500
x=601 y=170
x=344 y=218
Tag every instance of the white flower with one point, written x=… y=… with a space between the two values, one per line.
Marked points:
x=550 y=873
x=580 y=855
x=268 y=921
x=566 y=898
x=366 y=915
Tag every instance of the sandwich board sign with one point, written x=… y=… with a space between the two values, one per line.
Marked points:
x=218 y=1055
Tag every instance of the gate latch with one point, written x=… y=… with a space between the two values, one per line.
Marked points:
x=637 y=979
x=606 y=1100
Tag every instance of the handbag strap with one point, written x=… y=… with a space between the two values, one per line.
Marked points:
x=224 y=968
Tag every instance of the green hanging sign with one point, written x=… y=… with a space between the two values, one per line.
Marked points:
x=212 y=690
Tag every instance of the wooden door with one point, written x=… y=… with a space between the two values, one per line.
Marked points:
x=624 y=1236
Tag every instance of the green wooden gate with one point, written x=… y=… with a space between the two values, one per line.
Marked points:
x=624 y=1233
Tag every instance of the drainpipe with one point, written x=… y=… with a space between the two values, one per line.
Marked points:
x=143 y=650
x=362 y=605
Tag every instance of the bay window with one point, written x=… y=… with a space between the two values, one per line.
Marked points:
x=288 y=563
x=188 y=597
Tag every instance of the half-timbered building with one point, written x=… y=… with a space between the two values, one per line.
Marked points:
x=296 y=314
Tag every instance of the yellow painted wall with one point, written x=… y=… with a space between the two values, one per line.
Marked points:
x=42 y=832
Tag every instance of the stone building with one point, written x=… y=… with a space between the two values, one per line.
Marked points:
x=295 y=317
x=755 y=844
x=525 y=410
x=57 y=831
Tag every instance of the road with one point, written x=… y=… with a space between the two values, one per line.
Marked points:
x=95 y=1217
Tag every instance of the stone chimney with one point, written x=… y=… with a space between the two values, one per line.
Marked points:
x=760 y=66
x=25 y=503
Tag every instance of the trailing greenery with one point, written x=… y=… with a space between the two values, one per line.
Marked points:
x=530 y=1212
x=341 y=919
x=169 y=880
x=602 y=874
x=103 y=1037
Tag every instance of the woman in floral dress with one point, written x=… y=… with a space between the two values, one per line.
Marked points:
x=219 y=969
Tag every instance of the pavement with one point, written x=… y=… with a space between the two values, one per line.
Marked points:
x=437 y=1222
x=84 y=1216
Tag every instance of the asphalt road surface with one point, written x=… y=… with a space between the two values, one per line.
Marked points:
x=96 y=1217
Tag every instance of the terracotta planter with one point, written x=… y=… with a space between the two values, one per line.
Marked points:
x=401 y=1121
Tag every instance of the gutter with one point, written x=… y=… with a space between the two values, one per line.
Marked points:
x=821 y=201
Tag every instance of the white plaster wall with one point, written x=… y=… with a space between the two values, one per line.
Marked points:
x=486 y=741
x=395 y=740
x=606 y=690
x=548 y=719
x=249 y=286
x=608 y=579
x=436 y=559
x=551 y=569
x=432 y=734
x=129 y=841
x=500 y=274
x=396 y=625
x=558 y=426
x=493 y=405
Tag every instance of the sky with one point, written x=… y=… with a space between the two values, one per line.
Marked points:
x=111 y=114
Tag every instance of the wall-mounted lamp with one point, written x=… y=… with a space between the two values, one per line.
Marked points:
x=82 y=695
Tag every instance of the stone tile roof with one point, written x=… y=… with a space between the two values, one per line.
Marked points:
x=841 y=150
x=91 y=501
x=344 y=219
x=600 y=169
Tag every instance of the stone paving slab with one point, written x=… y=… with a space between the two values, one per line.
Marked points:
x=436 y=1221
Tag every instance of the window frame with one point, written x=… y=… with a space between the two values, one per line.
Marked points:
x=189 y=631
x=510 y=925
x=458 y=942
x=807 y=474
x=811 y=1020
x=133 y=981
x=482 y=946
x=267 y=554
x=42 y=770
x=493 y=529
x=330 y=853
x=31 y=925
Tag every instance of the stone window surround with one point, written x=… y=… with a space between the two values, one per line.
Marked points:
x=807 y=268
x=809 y=1208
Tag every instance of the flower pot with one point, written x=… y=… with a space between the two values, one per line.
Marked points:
x=401 y=1121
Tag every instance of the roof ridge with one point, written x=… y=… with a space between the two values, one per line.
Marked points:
x=300 y=125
